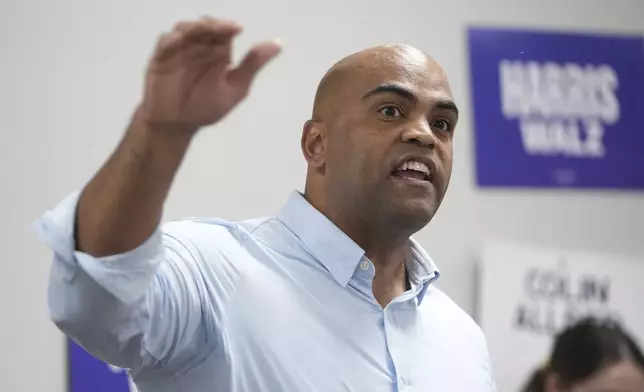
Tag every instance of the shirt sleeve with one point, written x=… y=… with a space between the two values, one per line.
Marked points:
x=488 y=365
x=136 y=310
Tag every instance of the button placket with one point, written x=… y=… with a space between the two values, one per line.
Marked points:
x=396 y=342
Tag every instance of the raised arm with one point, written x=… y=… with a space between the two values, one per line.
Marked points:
x=189 y=84
x=132 y=294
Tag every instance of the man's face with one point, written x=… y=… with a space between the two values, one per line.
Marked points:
x=391 y=147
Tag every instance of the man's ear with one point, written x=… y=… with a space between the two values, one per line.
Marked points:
x=314 y=143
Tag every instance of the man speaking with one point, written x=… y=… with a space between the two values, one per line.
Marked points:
x=329 y=295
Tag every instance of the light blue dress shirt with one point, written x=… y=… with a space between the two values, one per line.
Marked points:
x=264 y=305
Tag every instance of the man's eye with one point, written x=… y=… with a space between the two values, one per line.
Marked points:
x=390 y=111
x=442 y=125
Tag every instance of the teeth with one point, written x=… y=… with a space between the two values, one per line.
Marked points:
x=416 y=166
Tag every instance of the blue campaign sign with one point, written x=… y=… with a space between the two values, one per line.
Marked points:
x=88 y=374
x=557 y=110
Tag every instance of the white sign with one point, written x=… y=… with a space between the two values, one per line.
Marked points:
x=527 y=294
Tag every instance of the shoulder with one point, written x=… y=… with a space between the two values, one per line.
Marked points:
x=210 y=241
x=211 y=228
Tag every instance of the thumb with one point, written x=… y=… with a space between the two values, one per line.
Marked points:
x=252 y=62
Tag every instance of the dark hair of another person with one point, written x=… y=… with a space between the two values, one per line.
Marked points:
x=583 y=349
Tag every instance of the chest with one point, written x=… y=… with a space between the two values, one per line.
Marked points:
x=297 y=330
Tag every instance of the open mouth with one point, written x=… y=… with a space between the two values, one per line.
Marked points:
x=413 y=171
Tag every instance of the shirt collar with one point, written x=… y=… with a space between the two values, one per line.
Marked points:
x=420 y=268
x=339 y=254
x=323 y=239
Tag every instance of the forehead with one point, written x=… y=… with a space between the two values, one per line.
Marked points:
x=408 y=68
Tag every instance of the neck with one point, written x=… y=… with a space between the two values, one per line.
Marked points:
x=384 y=244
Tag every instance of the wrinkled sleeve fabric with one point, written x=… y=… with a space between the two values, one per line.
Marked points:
x=143 y=309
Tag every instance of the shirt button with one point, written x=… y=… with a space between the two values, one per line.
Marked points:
x=364 y=265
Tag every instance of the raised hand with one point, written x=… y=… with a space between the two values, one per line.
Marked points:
x=190 y=81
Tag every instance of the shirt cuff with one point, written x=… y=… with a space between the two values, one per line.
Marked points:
x=127 y=275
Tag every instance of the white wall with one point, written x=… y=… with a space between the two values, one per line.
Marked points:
x=71 y=74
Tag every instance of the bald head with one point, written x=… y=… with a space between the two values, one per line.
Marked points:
x=343 y=75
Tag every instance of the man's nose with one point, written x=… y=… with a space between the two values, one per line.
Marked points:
x=420 y=133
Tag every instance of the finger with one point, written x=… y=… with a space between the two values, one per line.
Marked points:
x=209 y=30
x=205 y=33
x=215 y=56
x=169 y=44
x=206 y=20
x=254 y=60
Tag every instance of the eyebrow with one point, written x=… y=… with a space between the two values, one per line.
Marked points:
x=443 y=104
x=391 y=89
x=447 y=104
